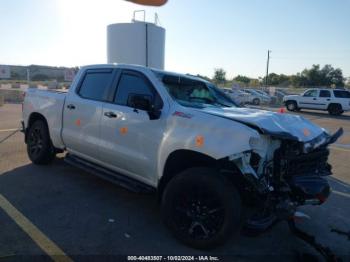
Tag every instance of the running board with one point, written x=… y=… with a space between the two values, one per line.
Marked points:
x=107 y=174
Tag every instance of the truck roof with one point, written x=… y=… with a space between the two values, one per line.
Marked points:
x=142 y=68
x=329 y=88
x=114 y=65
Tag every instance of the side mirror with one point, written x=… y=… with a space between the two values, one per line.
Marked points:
x=142 y=102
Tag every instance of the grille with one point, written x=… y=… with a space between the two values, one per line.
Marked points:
x=293 y=163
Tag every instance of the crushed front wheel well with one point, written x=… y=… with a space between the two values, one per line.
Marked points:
x=181 y=160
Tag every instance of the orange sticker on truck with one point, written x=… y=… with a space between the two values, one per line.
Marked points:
x=123 y=130
x=199 y=141
x=306 y=132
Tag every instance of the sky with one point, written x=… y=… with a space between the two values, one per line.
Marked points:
x=200 y=34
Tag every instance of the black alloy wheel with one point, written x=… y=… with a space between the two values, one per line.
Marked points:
x=201 y=207
x=39 y=146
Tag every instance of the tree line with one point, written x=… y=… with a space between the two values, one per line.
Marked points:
x=327 y=76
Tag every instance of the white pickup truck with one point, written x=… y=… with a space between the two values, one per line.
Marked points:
x=183 y=138
x=335 y=101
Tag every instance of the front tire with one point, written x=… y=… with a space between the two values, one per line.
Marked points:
x=201 y=208
x=39 y=147
x=291 y=106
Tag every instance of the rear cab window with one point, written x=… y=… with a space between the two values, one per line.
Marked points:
x=96 y=84
x=325 y=93
x=341 y=93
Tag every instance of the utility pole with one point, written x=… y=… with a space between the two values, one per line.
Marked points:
x=267 y=68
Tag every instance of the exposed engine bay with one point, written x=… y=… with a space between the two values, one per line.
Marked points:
x=285 y=174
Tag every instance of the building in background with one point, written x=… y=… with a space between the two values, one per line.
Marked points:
x=37 y=73
x=5 y=72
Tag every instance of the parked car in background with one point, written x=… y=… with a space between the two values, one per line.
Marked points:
x=335 y=101
x=280 y=93
x=273 y=97
x=238 y=96
x=258 y=98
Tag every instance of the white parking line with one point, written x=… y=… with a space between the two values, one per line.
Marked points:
x=340 y=149
x=341 y=193
x=342 y=145
x=8 y=130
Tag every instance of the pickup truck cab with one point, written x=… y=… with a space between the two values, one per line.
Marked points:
x=335 y=101
x=182 y=138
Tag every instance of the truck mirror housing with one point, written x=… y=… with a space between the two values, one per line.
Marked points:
x=142 y=102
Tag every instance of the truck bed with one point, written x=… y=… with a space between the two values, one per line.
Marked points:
x=50 y=104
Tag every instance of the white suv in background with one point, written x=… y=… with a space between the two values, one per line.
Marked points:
x=335 y=101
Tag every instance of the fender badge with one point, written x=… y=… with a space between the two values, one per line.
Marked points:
x=199 y=141
x=182 y=114
x=77 y=122
x=306 y=132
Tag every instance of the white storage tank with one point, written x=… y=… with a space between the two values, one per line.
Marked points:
x=140 y=43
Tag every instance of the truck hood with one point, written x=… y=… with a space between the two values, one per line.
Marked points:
x=290 y=96
x=280 y=125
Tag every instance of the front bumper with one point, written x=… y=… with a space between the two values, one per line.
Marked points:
x=306 y=174
x=305 y=168
x=310 y=189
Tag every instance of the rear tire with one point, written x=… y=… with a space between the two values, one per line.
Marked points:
x=291 y=106
x=256 y=101
x=39 y=147
x=335 y=109
x=201 y=208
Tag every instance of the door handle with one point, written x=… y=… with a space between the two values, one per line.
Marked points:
x=315 y=99
x=328 y=99
x=110 y=114
x=71 y=107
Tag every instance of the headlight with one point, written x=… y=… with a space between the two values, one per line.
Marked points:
x=315 y=143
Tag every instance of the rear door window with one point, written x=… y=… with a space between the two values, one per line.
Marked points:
x=96 y=84
x=341 y=94
x=325 y=93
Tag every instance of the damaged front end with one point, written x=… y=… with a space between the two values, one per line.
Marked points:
x=285 y=173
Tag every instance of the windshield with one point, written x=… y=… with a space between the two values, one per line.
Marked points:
x=195 y=93
x=250 y=92
x=260 y=92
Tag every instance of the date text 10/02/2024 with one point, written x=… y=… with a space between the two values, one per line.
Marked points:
x=173 y=258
